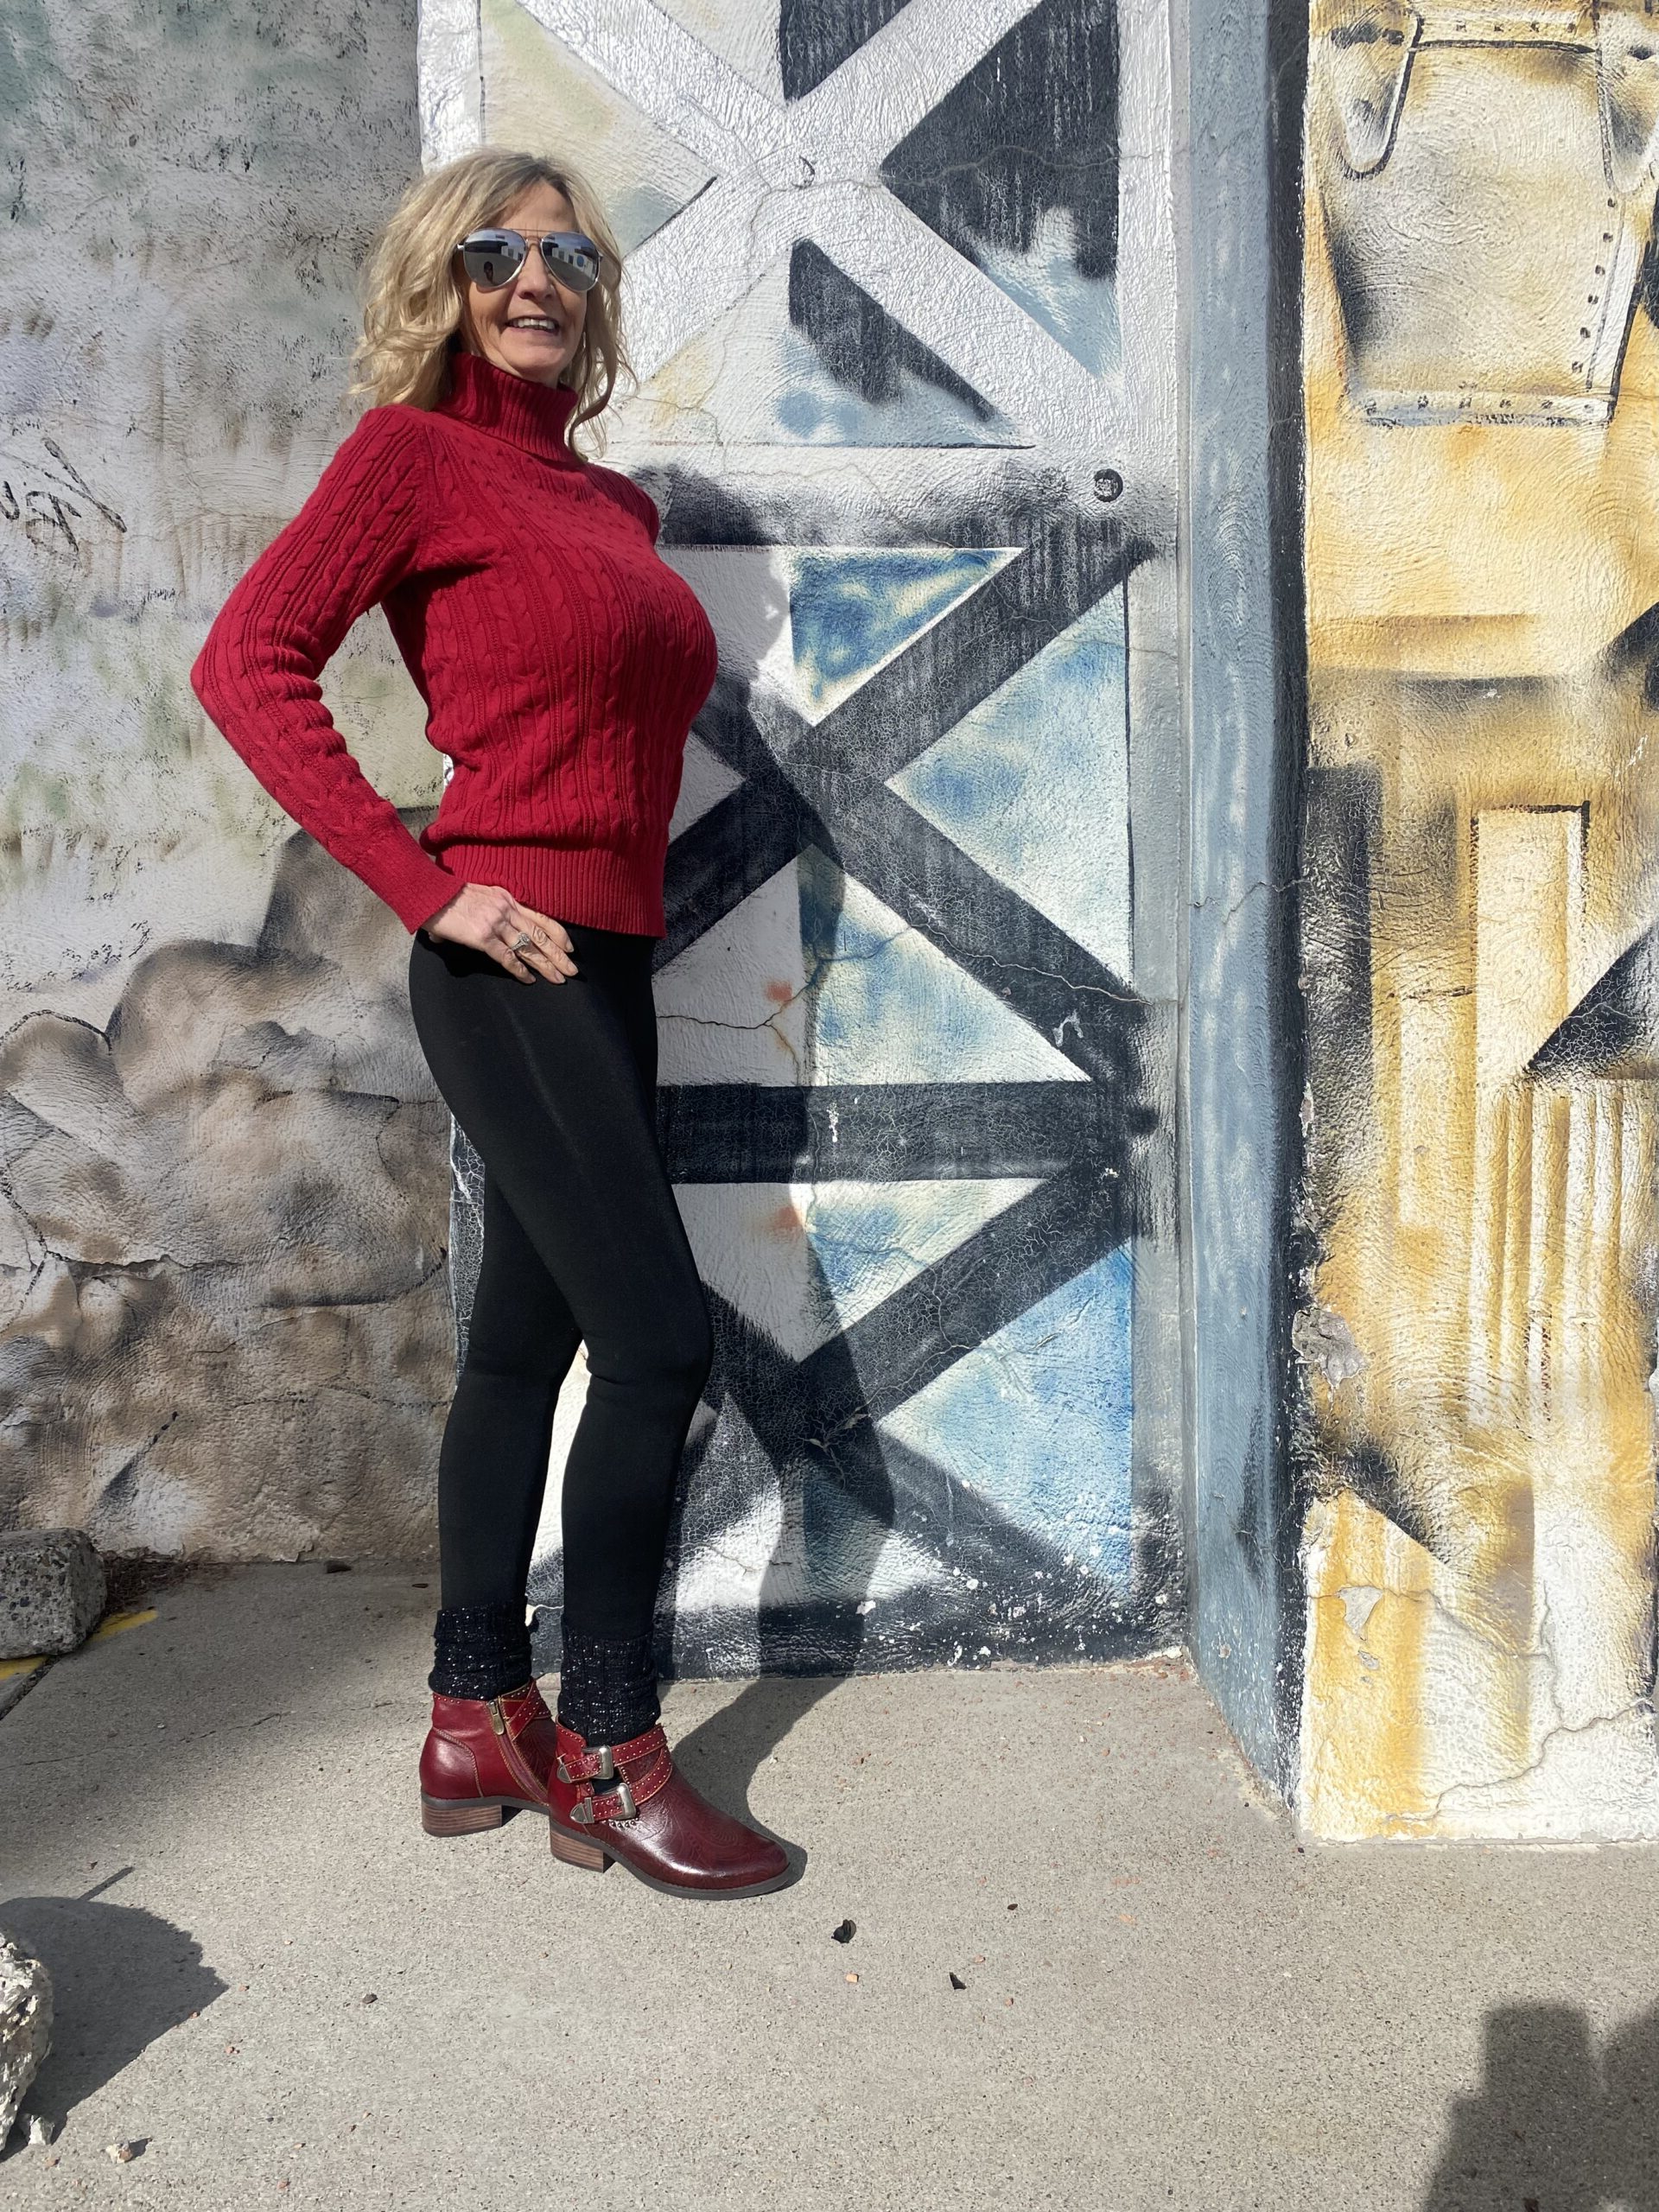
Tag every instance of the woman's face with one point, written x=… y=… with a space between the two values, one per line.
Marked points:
x=531 y=326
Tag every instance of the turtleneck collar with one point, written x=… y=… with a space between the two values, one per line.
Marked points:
x=534 y=416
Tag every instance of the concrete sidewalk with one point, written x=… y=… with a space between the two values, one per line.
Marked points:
x=283 y=1993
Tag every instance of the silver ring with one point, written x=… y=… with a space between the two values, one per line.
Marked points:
x=521 y=940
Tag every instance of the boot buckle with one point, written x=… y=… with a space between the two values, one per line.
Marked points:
x=582 y=1810
x=603 y=1768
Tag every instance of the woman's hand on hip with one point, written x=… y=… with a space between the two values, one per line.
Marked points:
x=491 y=920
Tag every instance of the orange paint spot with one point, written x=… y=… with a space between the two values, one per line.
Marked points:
x=780 y=994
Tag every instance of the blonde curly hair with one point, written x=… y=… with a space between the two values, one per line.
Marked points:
x=413 y=290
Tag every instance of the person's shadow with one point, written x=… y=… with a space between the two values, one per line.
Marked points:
x=1557 y=2125
x=120 y=1978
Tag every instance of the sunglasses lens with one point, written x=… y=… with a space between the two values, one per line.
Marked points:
x=572 y=259
x=493 y=258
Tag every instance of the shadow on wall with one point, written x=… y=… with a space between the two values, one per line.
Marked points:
x=1558 y=2125
x=120 y=1978
x=766 y=1453
x=906 y=1110
x=223 y=1318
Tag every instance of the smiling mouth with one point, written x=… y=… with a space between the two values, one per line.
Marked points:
x=545 y=325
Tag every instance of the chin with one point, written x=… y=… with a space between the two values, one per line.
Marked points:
x=542 y=370
x=531 y=371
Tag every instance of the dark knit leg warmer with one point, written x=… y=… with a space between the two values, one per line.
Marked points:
x=607 y=1686
x=479 y=1651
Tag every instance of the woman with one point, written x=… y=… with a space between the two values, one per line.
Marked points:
x=561 y=663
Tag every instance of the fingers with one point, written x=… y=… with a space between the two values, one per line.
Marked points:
x=532 y=946
x=547 y=956
x=554 y=939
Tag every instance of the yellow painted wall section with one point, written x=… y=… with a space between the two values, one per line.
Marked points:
x=1481 y=367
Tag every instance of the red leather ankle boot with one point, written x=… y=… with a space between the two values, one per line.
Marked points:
x=650 y=1818
x=481 y=1755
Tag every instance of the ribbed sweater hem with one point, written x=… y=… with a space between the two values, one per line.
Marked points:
x=602 y=889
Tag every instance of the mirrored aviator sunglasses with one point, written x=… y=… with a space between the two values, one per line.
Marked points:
x=493 y=258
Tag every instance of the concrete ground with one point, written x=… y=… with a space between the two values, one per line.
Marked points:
x=280 y=1992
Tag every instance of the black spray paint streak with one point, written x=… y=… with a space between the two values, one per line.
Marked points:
x=815 y=36
x=1288 y=42
x=1343 y=810
x=46 y=514
x=859 y=342
x=1032 y=129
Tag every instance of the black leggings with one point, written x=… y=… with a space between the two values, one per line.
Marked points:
x=555 y=1083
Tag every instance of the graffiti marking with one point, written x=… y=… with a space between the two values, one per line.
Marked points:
x=48 y=516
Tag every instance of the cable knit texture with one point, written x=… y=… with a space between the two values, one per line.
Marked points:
x=561 y=660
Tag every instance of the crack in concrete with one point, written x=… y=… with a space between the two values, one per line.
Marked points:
x=178 y=1744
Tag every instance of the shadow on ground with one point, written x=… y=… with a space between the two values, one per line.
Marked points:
x=1559 y=2125
x=120 y=1978
x=722 y=1755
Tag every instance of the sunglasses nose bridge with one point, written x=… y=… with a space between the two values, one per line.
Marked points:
x=533 y=276
x=571 y=273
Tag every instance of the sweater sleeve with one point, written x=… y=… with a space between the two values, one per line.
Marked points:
x=355 y=538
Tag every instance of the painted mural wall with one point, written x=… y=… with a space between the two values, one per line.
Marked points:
x=900 y=303
x=225 y=1322
x=1482 y=586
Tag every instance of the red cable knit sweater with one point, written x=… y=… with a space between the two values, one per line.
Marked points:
x=560 y=659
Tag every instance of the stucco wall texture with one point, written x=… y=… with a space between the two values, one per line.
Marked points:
x=1158 y=1013
x=224 y=1310
x=1483 y=570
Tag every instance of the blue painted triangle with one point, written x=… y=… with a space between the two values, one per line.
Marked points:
x=852 y=611
x=884 y=1004
x=869 y=1239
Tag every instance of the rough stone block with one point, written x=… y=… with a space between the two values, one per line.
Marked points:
x=25 y=2026
x=51 y=1590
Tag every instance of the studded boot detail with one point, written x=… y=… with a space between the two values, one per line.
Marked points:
x=649 y=1816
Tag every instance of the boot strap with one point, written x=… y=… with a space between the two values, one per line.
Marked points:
x=513 y=1712
x=602 y=1761
x=598 y=1762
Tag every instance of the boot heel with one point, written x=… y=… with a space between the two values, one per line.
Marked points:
x=460 y=1819
x=575 y=1852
